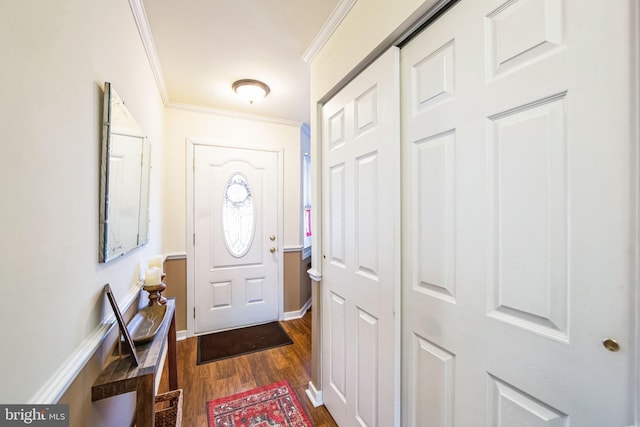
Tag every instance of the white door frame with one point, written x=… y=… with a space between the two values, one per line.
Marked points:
x=190 y=223
x=635 y=287
x=316 y=149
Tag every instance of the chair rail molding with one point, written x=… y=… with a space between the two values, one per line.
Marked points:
x=337 y=15
x=314 y=274
x=63 y=377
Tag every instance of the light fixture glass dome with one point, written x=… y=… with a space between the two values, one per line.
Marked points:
x=251 y=90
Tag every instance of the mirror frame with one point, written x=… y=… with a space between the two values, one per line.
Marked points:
x=106 y=222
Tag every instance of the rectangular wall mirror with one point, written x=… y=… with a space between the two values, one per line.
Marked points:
x=124 y=180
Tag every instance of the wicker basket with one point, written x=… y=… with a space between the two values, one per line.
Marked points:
x=168 y=409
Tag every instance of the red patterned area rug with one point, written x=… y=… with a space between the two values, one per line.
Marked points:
x=274 y=405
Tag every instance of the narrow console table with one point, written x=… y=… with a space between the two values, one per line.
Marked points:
x=120 y=376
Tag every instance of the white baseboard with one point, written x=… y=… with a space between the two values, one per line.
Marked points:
x=291 y=315
x=181 y=335
x=314 y=395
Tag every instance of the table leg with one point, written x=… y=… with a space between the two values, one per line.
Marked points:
x=145 y=397
x=172 y=355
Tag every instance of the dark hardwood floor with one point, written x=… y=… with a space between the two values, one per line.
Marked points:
x=202 y=383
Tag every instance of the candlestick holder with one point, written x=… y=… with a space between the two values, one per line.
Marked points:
x=155 y=292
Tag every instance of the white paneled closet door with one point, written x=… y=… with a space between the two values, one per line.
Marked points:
x=517 y=200
x=361 y=242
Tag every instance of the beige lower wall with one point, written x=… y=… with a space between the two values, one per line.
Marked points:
x=305 y=281
x=176 y=281
x=297 y=284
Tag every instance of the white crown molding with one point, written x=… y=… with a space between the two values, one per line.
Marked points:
x=63 y=377
x=292 y=249
x=336 y=17
x=233 y=114
x=140 y=16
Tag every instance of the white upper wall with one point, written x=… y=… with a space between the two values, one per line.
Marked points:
x=218 y=129
x=368 y=25
x=56 y=57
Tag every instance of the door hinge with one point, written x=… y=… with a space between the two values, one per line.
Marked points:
x=193 y=164
x=194 y=239
x=194 y=312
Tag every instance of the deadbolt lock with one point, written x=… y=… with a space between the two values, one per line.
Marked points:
x=272 y=237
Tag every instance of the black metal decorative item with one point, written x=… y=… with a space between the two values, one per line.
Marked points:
x=128 y=342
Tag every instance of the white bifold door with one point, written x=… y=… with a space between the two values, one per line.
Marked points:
x=517 y=162
x=361 y=241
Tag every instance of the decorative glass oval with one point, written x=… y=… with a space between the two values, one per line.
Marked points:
x=238 y=215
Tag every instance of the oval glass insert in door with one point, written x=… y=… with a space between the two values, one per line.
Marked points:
x=238 y=215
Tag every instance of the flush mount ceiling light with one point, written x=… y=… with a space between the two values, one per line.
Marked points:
x=251 y=90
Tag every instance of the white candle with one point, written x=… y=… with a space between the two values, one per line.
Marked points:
x=155 y=261
x=152 y=277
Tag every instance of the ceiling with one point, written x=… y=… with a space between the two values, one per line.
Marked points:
x=198 y=48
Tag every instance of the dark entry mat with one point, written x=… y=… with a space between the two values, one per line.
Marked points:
x=222 y=345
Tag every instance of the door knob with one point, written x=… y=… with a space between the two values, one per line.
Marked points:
x=611 y=345
x=272 y=250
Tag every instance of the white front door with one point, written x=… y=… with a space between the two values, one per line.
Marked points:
x=517 y=200
x=236 y=243
x=361 y=260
